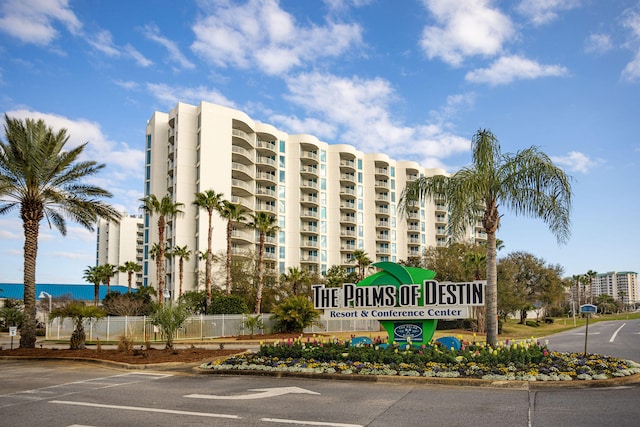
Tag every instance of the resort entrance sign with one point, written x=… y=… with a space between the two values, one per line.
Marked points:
x=406 y=301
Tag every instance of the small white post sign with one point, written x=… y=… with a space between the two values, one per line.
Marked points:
x=13 y=331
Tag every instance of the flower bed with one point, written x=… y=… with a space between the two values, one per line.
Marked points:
x=527 y=360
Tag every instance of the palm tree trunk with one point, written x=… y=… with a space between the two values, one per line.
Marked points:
x=160 y=259
x=260 y=273
x=491 y=291
x=229 y=229
x=28 y=329
x=181 y=266
x=129 y=276
x=208 y=261
x=96 y=293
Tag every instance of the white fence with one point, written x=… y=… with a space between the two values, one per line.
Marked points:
x=140 y=329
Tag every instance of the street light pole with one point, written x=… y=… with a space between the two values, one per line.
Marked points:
x=44 y=294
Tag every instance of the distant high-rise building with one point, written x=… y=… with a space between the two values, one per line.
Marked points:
x=121 y=243
x=329 y=199
x=621 y=285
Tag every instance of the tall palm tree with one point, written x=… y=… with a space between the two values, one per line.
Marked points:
x=166 y=209
x=361 y=258
x=107 y=272
x=94 y=275
x=591 y=274
x=526 y=182
x=265 y=223
x=183 y=253
x=41 y=179
x=233 y=213
x=210 y=201
x=130 y=267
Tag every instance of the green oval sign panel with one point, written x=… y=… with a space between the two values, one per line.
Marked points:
x=407 y=301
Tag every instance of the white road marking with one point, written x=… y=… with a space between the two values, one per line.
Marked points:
x=308 y=423
x=143 y=409
x=263 y=393
x=613 y=337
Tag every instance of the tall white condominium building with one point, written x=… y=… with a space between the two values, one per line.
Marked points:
x=121 y=243
x=622 y=285
x=329 y=199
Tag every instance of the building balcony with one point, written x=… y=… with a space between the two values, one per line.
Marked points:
x=348 y=218
x=268 y=162
x=347 y=247
x=266 y=192
x=309 y=229
x=383 y=236
x=243 y=235
x=269 y=146
x=346 y=205
x=307 y=213
x=309 y=184
x=306 y=243
x=243 y=136
x=241 y=155
x=441 y=219
x=382 y=184
x=269 y=177
x=309 y=258
x=383 y=250
x=347 y=165
x=347 y=233
x=309 y=171
x=265 y=207
x=241 y=171
x=310 y=199
x=383 y=224
x=347 y=191
x=245 y=202
x=348 y=177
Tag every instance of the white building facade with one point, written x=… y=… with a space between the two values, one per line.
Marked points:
x=121 y=243
x=621 y=285
x=329 y=200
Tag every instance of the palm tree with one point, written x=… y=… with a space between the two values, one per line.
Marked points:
x=527 y=182
x=232 y=213
x=296 y=277
x=591 y=274
x=210 y=201
x=107 y=271
x=40 y=179
x=94 y=275
x=130 y=267
x=166 y=209
x=476 y=261
x=183 y=253
x=361 y=258
x=265 y=223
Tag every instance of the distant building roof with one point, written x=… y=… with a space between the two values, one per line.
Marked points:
x=77 y=292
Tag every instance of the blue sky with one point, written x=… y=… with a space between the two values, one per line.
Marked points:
x=412 y=78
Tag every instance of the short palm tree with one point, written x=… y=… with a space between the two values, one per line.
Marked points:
x=296 y=277
x=183 y=253
x=265 y=223
x=107 y=272
x=166 y=209
x=526 y=182
x=94 y=275
x=130 y=267
x=78 y=312
x=210 y=201
x=40 y=179
x=233 y=213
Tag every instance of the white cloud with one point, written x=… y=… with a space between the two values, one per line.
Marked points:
x=631 y=22
x=152 y=32
x=509 y=68
x=33 y=21
x=464 y=28
x=123 y=163
x=575 y=161
x=103 y=42
x=260 y=34
x=541 y=12
x=171 y=95
x=598 y=44
x=357 y=111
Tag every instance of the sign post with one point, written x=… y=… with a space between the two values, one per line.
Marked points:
x=13 y=331
x=588 y=309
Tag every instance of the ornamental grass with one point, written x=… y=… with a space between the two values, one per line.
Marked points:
x=528 y=360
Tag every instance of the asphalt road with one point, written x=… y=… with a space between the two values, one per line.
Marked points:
x=618 y=338
x=49 y=393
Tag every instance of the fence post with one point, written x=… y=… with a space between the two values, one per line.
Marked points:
x=201 y=327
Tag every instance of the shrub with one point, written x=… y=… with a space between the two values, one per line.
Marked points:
x=78 y=312
x=294 y=314
x=169 y=317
